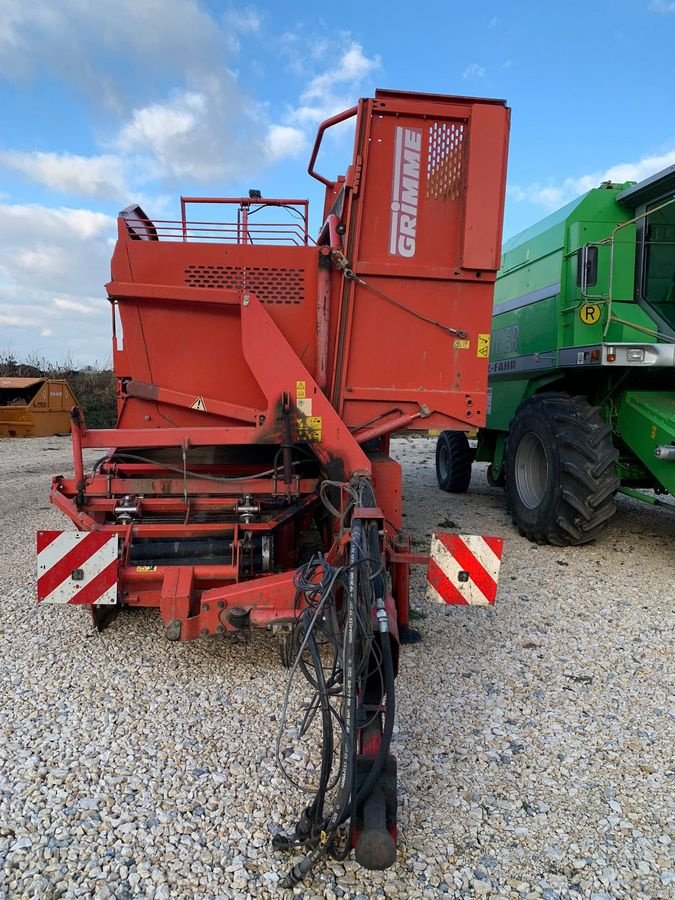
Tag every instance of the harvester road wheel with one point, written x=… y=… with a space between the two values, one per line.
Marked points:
x=560 y=470
x=498 y=482
x=287 y=648
x=453 y=462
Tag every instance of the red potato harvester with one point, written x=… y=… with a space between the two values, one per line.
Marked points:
x=259 y=377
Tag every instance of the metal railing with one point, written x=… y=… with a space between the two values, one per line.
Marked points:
x=245 y=230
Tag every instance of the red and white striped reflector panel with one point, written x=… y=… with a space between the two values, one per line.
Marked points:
x=78 y=567
x=464 y=568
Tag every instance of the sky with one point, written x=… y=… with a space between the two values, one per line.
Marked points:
x=108 y=102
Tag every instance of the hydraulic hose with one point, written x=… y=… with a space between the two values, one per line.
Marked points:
x=388 y=667
x=346 y=773
x=364 y=588
x=388 y=728
x=327 y=750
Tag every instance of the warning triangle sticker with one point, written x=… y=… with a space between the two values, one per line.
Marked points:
x=199 y=404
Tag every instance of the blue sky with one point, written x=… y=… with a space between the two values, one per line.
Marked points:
x=108 y=102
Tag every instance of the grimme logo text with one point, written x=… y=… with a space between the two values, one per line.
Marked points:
x=405 y=191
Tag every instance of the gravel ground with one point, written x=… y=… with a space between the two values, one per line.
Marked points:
x=534 y=740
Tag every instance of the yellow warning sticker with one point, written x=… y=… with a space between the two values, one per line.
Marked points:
x=300 y=390
x=305 y=405
x=483 y=346
x=589 y=313
x=199 y=404
x=146 y=568
x=652 y=433
x=309 y=429
x=461 y=344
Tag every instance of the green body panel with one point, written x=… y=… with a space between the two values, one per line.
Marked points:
x=551 y=333
x=649 y=419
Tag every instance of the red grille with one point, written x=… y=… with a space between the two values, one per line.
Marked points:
x=270 y=285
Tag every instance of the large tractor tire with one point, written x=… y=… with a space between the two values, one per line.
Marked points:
x=560 y=470
x=453 y=462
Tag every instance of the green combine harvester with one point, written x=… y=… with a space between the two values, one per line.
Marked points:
x=582 y=365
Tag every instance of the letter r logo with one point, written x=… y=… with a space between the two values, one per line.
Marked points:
x=590 y=313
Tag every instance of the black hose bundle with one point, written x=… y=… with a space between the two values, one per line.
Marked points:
x=344 y=653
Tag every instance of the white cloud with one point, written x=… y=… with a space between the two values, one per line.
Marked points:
x=31 y=219
x=158 y=126
x=245 y=21
x=77 y=39
x=53 y=265
x=304 y=51
x=43 y=259
x=283 y=141
x=662 y=6
x=202 y=128
x=552 y=195
x=17 y=20
x=213 y=132
x=493 y=22
x=18 y=321
x=336 y=88
x=93 y=176
x=210 y=134
x=637 y=171
x=168 y=108
x=353 y=66
x=474 y=71
x=76 y=306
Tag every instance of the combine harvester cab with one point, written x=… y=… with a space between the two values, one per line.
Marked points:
x=582 y=363
x=259 y=377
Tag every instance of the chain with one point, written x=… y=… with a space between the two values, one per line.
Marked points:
x=342 y=263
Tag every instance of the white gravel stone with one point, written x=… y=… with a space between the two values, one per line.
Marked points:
x=533 y=740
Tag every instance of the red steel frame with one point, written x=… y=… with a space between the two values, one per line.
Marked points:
x=229 y=342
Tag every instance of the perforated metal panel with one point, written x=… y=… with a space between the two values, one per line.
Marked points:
x=445 y=162
x=270 y=285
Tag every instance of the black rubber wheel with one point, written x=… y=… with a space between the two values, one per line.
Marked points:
x=560 y=470
x=495 y=482
x=453 y=462
x=287 y=649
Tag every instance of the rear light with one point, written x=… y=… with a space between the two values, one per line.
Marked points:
x=611 y=354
